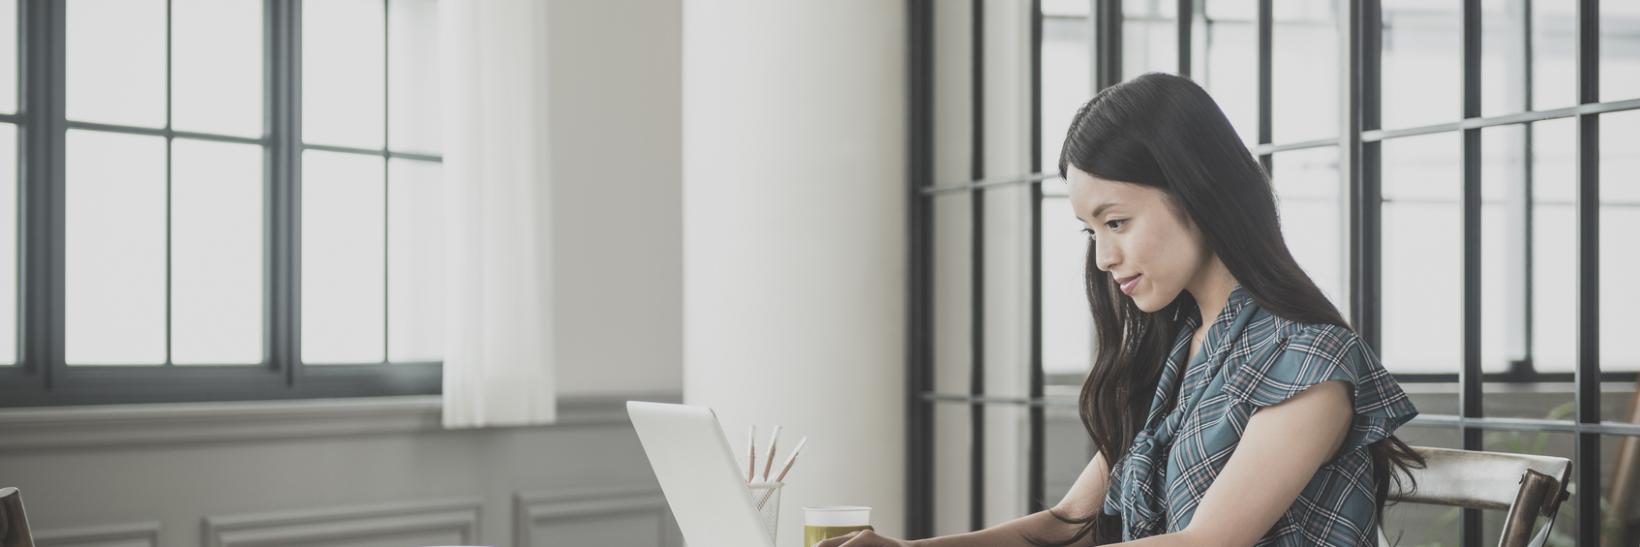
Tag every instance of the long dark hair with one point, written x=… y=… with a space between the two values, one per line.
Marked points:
x=1165 y=132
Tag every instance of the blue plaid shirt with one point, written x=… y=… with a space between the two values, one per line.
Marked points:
x=1249 y=360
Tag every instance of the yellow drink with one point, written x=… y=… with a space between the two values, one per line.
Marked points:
x=821 y=523
x=814 y=534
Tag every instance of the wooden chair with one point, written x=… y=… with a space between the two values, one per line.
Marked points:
x=1526 y=485
x=13 y=523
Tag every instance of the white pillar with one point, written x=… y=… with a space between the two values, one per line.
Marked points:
x=795 y=239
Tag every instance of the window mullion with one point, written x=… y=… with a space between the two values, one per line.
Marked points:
x=170 y=16
x=47 y=182
x=40 y=203
x=283 y=103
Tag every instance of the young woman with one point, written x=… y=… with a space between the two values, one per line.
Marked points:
x=1230 y=402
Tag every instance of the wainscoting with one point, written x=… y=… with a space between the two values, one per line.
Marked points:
x=331 y=473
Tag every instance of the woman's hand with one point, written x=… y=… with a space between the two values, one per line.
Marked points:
x=863 y=538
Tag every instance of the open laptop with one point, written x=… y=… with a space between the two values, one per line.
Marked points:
x=697 y=472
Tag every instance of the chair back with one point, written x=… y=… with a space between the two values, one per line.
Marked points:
x=1526 y=485
x=13 y=523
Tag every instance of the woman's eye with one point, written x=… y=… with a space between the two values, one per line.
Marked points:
x=1089 y=232
x=1114 y=224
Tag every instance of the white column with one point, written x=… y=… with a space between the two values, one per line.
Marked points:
x=795 y=239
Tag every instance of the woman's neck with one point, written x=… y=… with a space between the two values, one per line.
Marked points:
x=1211 y=290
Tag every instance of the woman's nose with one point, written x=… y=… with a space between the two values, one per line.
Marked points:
x=1105 y=256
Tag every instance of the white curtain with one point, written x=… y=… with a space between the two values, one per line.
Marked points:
x=498 y=367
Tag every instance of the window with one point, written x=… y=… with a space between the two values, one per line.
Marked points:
x=1463 y=124
x=227 y=199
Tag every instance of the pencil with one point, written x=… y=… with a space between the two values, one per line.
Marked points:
x=768 y=460
x=751 y=453
x=784 y=469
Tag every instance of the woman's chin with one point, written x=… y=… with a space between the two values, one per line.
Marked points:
x=1147 y=302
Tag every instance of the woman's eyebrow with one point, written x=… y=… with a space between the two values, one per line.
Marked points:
x=1101 y=208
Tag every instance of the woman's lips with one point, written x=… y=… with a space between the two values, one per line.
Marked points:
x=1131 y=284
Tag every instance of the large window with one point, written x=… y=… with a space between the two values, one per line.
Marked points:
x=1455 y=175
x=219 y=200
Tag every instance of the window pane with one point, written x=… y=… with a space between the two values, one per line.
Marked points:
x=216 y=253
x=1422 y=254
x=1619 y=50
x=953 y=292
x=343 y=242
x=1554 y=245
x=115 y=249
x=1150 y=37
x=1504 y=55
x=1620 y=459
x=1554 y=53
x=1231 y=71
x=1067 y=86
x=8 y=244
x=1305 y=70
x=1007 y=434
x=1505 y=317
x=415 y=268
x=1067 y=449
x=1422 y=80
x=413 y=92
x=1067 y=323
x=1073 y=8
x=217 y=64
x=1315 y=217
x=8 y=57
x=1503 y=246
x=953 y=477
x=116 y=62
x=1619 y=257
x=343 y=73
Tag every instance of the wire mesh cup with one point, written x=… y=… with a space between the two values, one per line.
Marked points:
x=766 y=498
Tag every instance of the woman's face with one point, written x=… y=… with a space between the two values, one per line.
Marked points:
x=1148 y=248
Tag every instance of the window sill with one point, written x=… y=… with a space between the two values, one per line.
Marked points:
x=169 y=424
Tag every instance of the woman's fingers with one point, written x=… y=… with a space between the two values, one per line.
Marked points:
x=838 y=541
x=865 y=538
x=861 y=538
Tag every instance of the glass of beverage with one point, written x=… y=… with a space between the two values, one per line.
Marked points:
x=820 y=523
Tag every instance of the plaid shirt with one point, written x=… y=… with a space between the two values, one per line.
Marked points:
x=1249 y=360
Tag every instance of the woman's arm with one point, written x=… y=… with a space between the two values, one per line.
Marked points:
x=1280 y=452
x=1085 y=497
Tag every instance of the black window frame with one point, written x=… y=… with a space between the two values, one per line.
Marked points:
x=40 y=376
x=1358 y=146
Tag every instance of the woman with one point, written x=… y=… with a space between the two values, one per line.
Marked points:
x=1237 y=405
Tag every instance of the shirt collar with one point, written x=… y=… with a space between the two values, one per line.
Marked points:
x=1233 y=307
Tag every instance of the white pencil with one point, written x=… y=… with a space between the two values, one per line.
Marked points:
x=751 y=453
x=768 y=460
x=784 y=469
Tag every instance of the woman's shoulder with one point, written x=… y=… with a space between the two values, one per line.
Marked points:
x=1272 y=331
x=1296 y=355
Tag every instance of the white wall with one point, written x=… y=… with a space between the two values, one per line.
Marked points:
x=615 y=109
x=383 y=471
x=794 y=238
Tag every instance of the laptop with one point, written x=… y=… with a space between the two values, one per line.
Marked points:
x=698 y=474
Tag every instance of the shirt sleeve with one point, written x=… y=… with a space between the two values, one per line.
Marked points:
x=1321 y=353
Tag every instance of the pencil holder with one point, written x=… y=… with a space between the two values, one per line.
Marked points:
x=766 y=498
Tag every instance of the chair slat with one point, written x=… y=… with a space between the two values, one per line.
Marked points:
x=1476 y=479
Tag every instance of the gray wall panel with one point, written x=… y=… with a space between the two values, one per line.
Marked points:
x=612 y=517
x=328 y=486
x=143 y=534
